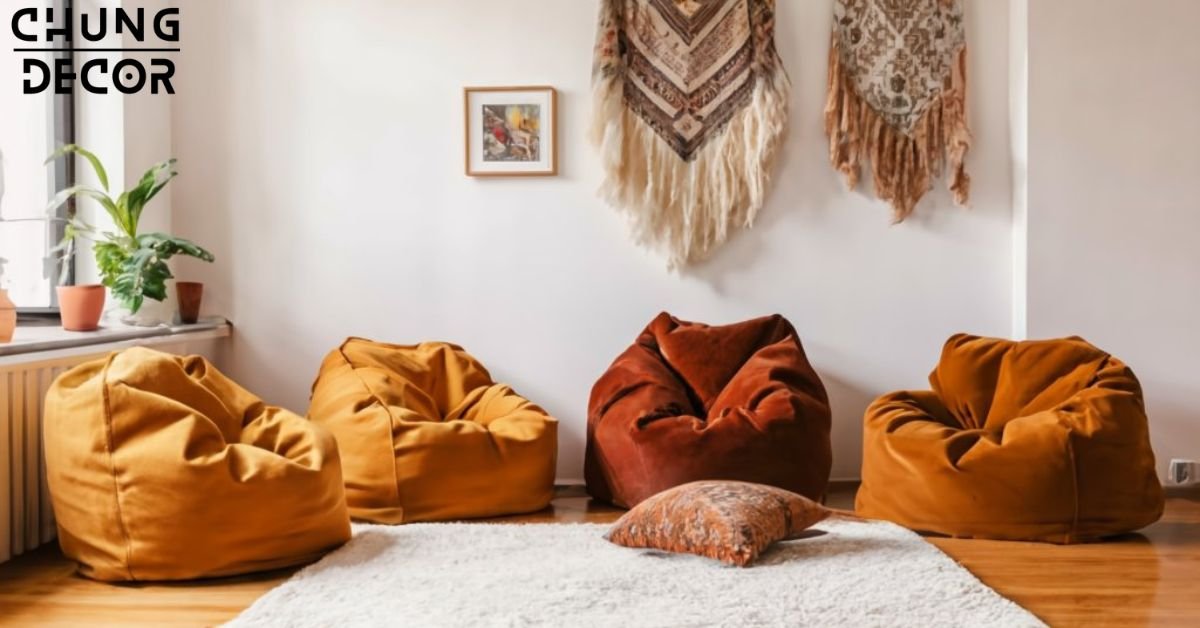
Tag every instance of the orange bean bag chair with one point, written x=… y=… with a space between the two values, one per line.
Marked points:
x=691 y=402
x=161 y=468
x=1038 y=441
x=426 y=435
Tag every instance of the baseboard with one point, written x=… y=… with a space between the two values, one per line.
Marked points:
x=1191 y=493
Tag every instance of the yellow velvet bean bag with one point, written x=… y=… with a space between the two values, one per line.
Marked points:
x=426 y=435
x=161 y=468
x=1041 y=441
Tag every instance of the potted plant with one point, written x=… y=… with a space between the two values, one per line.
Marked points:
x=81 y=306
x=132 y=265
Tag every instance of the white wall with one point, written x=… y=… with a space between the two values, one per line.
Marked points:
x=1018 y=127
x=321 y=151
x=1114 y=126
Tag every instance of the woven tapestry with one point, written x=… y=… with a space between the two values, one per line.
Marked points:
x=897 y=97
x=691 y=104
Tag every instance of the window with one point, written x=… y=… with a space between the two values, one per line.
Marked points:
x=31 y=127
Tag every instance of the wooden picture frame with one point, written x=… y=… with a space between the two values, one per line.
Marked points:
x=511 y=131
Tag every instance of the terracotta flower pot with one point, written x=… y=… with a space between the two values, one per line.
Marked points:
x=8 y=317
x=81 y=306
x=190 y=294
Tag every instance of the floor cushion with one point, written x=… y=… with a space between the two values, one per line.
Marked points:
x=732 y=522
x=1041 y=441
x=690 y=402
x=426 y=435
x=161 y=468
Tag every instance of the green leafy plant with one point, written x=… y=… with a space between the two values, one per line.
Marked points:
x=132 y=265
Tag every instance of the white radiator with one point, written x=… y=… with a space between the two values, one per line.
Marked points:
x=26 y=515
x=26 y=519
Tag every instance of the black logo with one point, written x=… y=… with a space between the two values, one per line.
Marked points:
x=128 y=76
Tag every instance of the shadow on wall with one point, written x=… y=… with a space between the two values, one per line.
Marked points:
x=849 y=402
x=1172 y=413
x=572 y=424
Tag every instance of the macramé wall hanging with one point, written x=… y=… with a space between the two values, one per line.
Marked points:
x=897 y=97
x=690 y=108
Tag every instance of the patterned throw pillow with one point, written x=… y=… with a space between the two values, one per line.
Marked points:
x=732 y=522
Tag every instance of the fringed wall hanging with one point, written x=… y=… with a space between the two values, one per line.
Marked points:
x=690 y=108
x=897 y=97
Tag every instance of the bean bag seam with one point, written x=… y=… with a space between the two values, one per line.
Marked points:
x=112 y=465
x=707 y=422
x=391 y=436
x=1074 y=485
x=621 y=394
x=689 y=391
x=393 y=420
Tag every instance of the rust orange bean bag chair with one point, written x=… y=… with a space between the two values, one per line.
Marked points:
x=426 y=435
x=161 y=468
x=691 y=402
x=1039 y=441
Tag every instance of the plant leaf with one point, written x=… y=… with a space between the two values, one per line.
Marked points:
x=110 y=260
x=151 y=175
x=98 y=167
x=105 y=201
x=168 y=246
x=143 y=274
x=111 y=208
x=65 y=195
x=149 y=187
x=159 y=186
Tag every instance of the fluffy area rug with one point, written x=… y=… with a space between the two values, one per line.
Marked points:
x=847 y=573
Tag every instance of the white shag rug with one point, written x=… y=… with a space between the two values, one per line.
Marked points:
x=855 y=574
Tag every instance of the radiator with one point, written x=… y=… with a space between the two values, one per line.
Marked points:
x=26 y=515
x=26 y=519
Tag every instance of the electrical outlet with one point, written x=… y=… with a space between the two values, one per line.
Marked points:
x=1184 y=472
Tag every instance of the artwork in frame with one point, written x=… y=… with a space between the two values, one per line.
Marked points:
x=511 y=131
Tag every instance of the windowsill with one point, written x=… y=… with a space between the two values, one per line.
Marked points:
x=37 y=342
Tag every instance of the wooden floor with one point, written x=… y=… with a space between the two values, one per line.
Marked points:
x=1150 y=578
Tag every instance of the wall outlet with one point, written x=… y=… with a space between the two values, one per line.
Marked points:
x=1184 y=472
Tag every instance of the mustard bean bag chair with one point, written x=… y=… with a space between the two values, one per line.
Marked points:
x=690 y=402
x=426 y=435
x=1040 y=441
x=161 y=468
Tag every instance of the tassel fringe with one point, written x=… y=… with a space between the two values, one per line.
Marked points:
x=687 y=208
x=903 y=166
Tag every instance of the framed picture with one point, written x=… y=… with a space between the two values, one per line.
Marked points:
x=511 y=131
